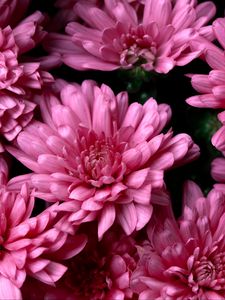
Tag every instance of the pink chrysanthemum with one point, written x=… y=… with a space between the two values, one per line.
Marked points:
x=211 y=86
x=28 y=245
x=185 y=261
x=101 y=271
x=19 y=75
x=16 y=75
x=100 y=156
x=113 y=35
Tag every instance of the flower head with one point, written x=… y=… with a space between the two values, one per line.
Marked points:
x=19 y=75
x=29 y=245
x=185 y=260
x=211 y=86
x=117 y=34
x=100 y=156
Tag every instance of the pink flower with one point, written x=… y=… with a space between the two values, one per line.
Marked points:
x=17 y=76
x=100 y=156
x=101 y=271
x=211 y=86
x=114 y=35
x=30 y=245
x=15 y=114
x=185 y=260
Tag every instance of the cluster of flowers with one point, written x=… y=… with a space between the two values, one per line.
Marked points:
x=107 y=228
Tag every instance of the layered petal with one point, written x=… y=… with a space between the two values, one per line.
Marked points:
x=126 y=34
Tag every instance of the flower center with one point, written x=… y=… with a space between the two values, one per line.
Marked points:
x=219 y=262
x=138 y=48
x=210 y=272
x=99 y=161
x=205 y=271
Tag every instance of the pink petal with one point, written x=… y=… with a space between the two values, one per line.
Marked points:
x=8 y=290
x=117 y=266
x=219 y=29
x=106 y=220
x=137 y=179
x=81 y=193
x=144 y=213
x=127 y=217
x=85 y=61
x=191 y=192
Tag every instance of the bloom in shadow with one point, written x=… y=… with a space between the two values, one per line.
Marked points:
x=30 y=245
x=185 y=260
x=20 y=76
x=101 y=271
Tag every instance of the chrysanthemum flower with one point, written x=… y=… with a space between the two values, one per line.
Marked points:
x=211 y=86
x=115 y=35
x=101 y=271
x=29 y=245
x=16 y=75
x=185 y=261
x=100 y=156
x=20 y=75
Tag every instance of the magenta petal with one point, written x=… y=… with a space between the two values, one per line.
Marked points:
x=127 y=217
x=141 y=195
x=106 y=220
x=217 y=169
x=91 y=205
x=72 y=247
x=144 y=214
x=218 y=139
x=207 y=100
x=81 y=193
x=132 y=158
x=55 y=271
x=117 y=266
x=8 y=290
x=219 y=28
x=123 y=281
x=137 y=179
x=82 y=62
